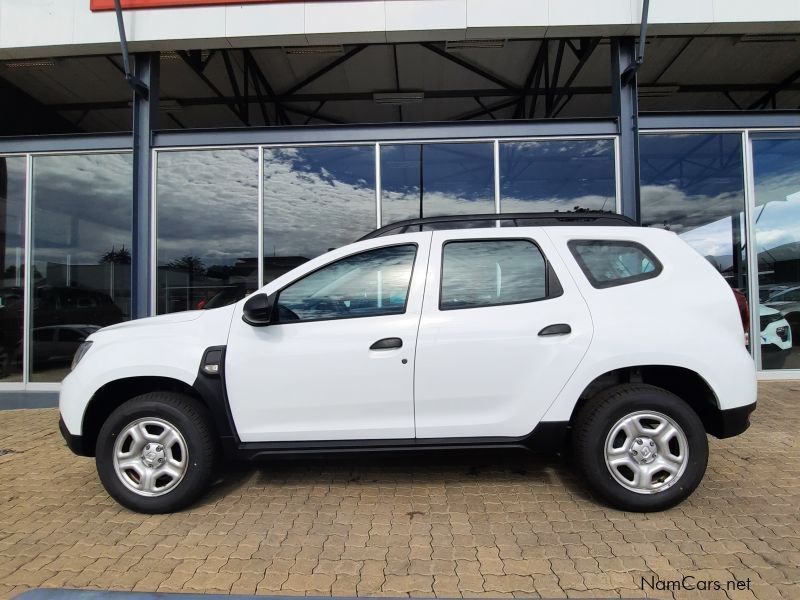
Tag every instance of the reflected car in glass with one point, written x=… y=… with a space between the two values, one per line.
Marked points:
x=529 y=337
x=787 y=301
x=776 y=337
x=57 y=344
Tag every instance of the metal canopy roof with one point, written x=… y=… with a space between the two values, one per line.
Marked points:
x=436 y=81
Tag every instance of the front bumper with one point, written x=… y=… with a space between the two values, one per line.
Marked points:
x=76 y=443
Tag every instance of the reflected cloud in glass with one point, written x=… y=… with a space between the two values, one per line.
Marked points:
x=315 y=198
x=428 y=180
x=82 y=219
x=776 y=171
x=207 y=226
x=557 y=175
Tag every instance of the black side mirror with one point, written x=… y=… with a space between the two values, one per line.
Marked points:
x=258 y=310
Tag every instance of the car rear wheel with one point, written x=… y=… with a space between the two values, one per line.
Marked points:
x=640 y=448
x=156 y=452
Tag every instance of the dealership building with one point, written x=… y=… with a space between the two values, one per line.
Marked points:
x=240 y=139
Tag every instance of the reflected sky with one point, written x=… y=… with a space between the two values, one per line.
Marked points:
x=317 y=198
x=83 y=207
x=691 y=180
x=776 y=166
x=207 y=205
x=454 y=179
x=557 y=175
x=693 y=185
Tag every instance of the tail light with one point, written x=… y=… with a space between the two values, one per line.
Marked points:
x=744 y=313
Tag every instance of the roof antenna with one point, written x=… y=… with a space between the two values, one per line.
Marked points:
x=139 y=87
x=630 y=71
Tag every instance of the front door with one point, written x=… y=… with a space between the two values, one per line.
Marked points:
x=503 y=328
x=339 y=363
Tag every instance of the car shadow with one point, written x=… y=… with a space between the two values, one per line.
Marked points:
x=545 y=473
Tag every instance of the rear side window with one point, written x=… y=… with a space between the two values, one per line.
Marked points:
x=607 y=263
x=491 y=272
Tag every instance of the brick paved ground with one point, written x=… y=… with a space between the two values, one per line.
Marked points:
x=465 y=526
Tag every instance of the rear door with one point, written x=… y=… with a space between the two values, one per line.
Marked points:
x=503 y=328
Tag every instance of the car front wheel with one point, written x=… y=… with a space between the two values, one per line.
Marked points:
x=156 y=452
x=640 y=448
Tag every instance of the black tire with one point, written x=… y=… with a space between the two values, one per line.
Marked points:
x=593 y=425
x=191 y=419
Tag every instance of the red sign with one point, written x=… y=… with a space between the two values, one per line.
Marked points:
x=126 y=4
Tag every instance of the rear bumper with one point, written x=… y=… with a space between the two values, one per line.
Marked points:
x=76 y=443
x=728 y=423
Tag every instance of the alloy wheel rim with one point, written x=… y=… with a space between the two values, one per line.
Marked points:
x=646 y=452
x=150 y=456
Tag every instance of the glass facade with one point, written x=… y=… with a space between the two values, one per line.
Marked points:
x=81 y=209
x=429 y=180
x=207 y=227
x=693 y=184
x=776 y=177
x=315 y=198
x=210 y=240
x=558 y=175
x=12 y=228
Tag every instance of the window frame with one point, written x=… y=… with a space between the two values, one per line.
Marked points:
x=552 y=285
x=602 y=285
x=276 y=304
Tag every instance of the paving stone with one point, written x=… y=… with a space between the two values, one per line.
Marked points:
x=521 y=526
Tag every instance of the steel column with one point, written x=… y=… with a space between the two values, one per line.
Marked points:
x=145 y=119
x=626 y=107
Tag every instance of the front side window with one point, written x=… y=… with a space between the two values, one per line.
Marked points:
x=491 y=272
x=608 y=263
x=369 y=284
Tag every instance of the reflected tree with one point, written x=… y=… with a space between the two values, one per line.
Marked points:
x=191 y=264
x=117 y=257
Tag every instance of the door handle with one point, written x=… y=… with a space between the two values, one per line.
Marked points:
x=387 y=344
x=556 y=329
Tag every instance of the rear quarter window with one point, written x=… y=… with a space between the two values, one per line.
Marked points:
x=609 y=263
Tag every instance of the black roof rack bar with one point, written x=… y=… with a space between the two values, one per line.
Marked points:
x=537 y=218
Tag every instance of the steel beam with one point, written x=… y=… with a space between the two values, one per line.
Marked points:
x=331 y=65
x=468 y=66
x=772 y=94
x=536 y=69
x=146 y=68
x=587 y=48
x=198 y=70
x=625 y=102
x=258 y=76
x=385 y=132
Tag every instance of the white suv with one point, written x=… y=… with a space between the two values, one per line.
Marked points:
x=620 y=340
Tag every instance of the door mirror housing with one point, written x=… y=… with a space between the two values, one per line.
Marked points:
x=257 y=310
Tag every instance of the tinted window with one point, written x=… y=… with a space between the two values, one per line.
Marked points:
x=207 y=211
x=428 y=180
x=776 y=175
x=82 y=214
x=71 y=335
x=693 y=184
x=557 y=175
x=42 y=335
x=12 y=260
x=368 y=284
x=491 y=272
x=608 y=263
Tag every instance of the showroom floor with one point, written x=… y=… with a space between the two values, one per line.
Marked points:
x=469 y=525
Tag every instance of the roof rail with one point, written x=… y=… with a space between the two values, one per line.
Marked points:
x=534 y=219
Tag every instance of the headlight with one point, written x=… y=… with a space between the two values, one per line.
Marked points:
x=80 y=353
